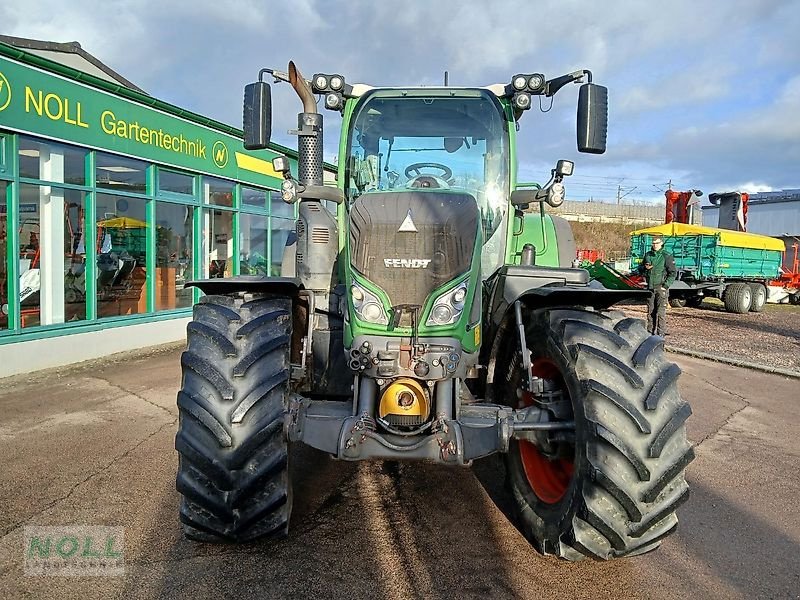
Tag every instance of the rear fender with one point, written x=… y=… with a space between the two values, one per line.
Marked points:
x=542 y=287
x=249 y=284
x=538 y=287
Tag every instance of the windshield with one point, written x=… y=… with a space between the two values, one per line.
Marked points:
x=439 y=142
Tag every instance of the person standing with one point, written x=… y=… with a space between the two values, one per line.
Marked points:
x=658 y=268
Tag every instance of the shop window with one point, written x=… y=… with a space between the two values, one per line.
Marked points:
x=52 y=255
x=176 y=183
x=279 y=208
x=49 y=161
x=119 y=173
x=218 y=243
x=217 y=191
x=4 y=283
x=253 y=231
x=174 y=266
x=121 y=246
x=4 y=166
x=280 y=232
x=254 y=197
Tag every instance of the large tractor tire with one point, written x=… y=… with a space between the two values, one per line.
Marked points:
x=611 y=489
x=233 y=461
x=738 y=298
x=759 y=293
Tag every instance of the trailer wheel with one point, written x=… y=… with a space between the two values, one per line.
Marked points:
x=232 y=453
x=677 y=302
x=694 y=301
x=738 y=298
x=759 y=293
x=610 y=488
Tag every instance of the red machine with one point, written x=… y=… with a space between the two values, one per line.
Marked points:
x=680 y=206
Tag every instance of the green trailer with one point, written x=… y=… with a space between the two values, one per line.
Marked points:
x=731 y=265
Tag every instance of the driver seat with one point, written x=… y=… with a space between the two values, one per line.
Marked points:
x=425 y=181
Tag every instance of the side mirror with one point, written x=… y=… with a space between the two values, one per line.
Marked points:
x=257 y=115
x=592 y=125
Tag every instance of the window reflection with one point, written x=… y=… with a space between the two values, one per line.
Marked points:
x=174 y=266
x=282 y=232
x=52 y=255
x=176 y=183
x=254 y=197
x=217 y=191
x=49 y=161
x=218 y=243
x=119 y=173
x=121 y=255
x=253 y=231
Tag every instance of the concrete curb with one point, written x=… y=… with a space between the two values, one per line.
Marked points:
x=734 y=361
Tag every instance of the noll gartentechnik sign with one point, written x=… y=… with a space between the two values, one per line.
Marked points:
x=37 y=102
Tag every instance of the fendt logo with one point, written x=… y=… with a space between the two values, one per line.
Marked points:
x=407 y=263
x=219 y=152
x=5 y=92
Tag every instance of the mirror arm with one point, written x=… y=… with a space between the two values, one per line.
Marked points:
x=553 y=85
x=320 y=192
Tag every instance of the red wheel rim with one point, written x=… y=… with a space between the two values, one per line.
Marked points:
x=549 y=478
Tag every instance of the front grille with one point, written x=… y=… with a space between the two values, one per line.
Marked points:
x=446 y=229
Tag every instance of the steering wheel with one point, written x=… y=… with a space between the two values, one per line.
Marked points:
x=415 y=170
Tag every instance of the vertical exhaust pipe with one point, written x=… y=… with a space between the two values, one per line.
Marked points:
x=309 y=132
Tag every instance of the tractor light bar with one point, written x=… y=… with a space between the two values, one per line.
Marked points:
x=531 y=82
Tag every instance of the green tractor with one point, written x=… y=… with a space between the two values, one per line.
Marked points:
x=424 y=312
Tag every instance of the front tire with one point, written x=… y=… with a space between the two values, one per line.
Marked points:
x=614 y=490
x=233 y=459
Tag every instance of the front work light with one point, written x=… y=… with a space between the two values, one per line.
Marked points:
x=367 y=305
x=522 y=101
x=447 y=307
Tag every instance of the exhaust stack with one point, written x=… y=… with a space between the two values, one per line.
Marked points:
x=309 y=132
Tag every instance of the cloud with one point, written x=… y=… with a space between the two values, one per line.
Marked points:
x=701 y=90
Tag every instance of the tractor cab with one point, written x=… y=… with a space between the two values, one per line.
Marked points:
x=444 y=148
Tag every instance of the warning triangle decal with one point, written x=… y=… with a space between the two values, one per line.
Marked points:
x=408 y=224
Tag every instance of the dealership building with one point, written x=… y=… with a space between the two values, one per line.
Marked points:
x=110 y=200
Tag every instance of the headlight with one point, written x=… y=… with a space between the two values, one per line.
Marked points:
x=519 y=83
x=367 y=306
x=448 y=307
x=321 y=82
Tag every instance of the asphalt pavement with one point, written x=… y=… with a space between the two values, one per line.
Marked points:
x=93 y=444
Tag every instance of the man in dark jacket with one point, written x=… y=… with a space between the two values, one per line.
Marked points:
x=658 y=268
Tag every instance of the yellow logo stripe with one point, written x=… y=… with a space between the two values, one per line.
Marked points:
x=256 y=165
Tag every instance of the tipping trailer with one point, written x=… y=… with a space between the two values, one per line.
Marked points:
x=731 y=265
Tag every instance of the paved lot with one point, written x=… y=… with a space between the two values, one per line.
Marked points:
x=769 y=338
x=94 y=445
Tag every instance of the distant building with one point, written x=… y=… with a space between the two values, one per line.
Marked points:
x=602 y=212
x=776 y=214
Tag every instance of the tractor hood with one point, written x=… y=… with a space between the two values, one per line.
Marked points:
x=410 y=243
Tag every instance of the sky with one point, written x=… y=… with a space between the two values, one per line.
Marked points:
x=704 y=94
